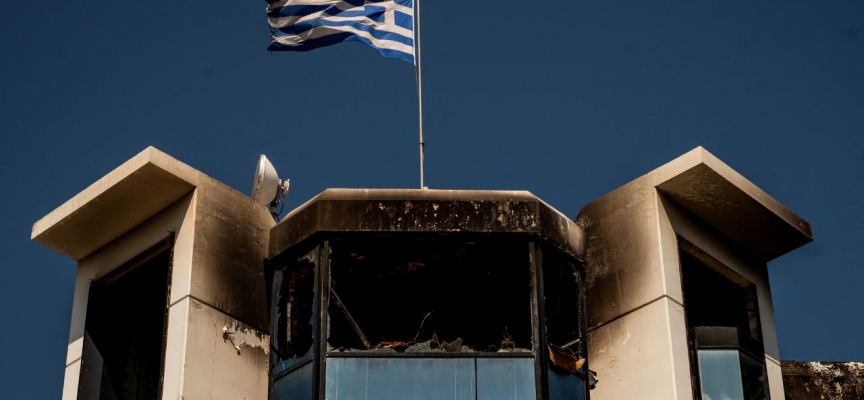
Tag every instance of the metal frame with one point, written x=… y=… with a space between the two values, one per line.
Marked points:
x=320 y=352
x=323 y=319
x=538 y=318
x=685 y=246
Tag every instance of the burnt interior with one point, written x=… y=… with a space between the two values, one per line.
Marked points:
x=295 y=309
x=460 y=296
x=125 y=330
x=561 y=284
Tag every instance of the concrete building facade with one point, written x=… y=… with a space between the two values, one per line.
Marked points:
x=694 y=207
x=212 y=320
x=672 y=266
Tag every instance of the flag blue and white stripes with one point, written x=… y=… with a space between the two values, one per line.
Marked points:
x=302 y=25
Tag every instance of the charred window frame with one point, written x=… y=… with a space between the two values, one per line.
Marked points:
x=723 y=328
x=563 y=310
x=429 y=297
x=294 y=326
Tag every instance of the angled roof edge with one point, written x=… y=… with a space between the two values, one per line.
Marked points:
x=711 y=190
x=117 y=202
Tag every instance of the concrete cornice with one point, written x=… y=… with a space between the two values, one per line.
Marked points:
x=427 y=211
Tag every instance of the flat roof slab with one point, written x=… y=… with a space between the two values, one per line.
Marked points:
x=426 y=211
x=122 y=199
x=733 y=205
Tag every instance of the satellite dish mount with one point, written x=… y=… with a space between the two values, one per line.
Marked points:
x=267 y=189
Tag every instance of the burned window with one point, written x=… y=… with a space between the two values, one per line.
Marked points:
x=561 y=281
x=294 y=301
x=438 y=296
x=562 y=285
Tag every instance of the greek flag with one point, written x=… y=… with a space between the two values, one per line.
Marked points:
x=303 y=25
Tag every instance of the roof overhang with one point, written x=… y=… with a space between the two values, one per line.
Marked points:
x=116 y=203
x=733 y=205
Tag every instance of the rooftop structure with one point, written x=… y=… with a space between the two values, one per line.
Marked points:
x=188 y=289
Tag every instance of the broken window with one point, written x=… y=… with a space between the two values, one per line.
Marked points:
x=429 y=296
x=293 y=328
x=124 y=330
x=562 y=285
x=294 y=299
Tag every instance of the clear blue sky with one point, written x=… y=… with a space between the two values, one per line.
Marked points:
x=567 y=99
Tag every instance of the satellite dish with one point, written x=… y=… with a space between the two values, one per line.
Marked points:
x=267 y=189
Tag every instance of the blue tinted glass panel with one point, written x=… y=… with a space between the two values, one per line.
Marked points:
x=565 y=387
x=505 y=379
x=720 y=375
x=400 y=379
x=296 y=385
x=753 y=378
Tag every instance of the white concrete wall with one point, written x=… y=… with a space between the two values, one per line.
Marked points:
x=105 y=260
x=637 y=339
x=637 y=333
x=751 y=269
x=220 y=244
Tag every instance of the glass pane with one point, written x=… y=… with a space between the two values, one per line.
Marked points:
x=505 y=378
x=720 y=375
x=753 y=377
x=297 y=385
x=400 y=379
x=565 y=387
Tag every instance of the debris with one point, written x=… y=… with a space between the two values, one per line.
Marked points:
x=565 y=359
x=350 y=319
x=398 y=346
x=592 y=379
x=453 y=346
x=421 y=326
x=422 y=347
x=507 y=343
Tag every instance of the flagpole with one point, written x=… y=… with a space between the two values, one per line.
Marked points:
x=419 y=74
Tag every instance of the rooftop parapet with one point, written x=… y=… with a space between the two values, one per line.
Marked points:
x=427 y=211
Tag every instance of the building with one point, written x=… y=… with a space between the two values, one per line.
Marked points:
x=188 y=289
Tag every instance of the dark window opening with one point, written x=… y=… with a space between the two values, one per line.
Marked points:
x=293 y=328
x=294 y=300
x=561 y=284
x=724 y=332
x=712 y=299
x=430 y=296
x=125 y=331
x=562 y=281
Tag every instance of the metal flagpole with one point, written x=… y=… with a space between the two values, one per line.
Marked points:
x=419 y=74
